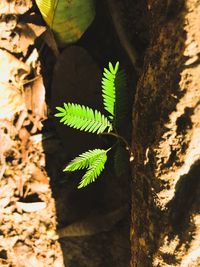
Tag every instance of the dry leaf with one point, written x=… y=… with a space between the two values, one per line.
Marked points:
x=24 y=256
x=5 y=141
x=4 y=201
x=51 y=42
x=7 y=24
x=31 y=207
x=32 y=60
x=26 y=34
x=12 y=69
x=8 y=243
x=38 y=175
x=12 y=74
x=37 y=187
x=14 y=6
x=11 y=101
x=38 y=104
x=17 y=37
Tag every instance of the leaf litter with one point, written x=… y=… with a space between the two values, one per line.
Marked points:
x=27 y=210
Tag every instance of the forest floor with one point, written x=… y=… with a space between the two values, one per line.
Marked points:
x=35 y=196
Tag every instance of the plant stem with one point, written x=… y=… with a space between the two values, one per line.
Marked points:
x=123 y=140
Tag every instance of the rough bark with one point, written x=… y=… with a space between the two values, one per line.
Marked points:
x=166 y=134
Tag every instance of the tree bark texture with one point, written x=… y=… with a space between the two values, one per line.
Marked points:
x=166 y=140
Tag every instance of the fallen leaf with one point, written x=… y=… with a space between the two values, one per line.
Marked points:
x=31 y=207
x=26 y=34
x=51 y=42
x=37 y=138
x=11 y=101
x=15 y=6
x=32 y=60
x=15 y=36
x=2 y=170
x=76 y=78
x=4 y=201
x=12 y=69
x=38 y=104
x=38 y=175
x=24 y=256
x=7 y=24
x=68 y=19
x=5 y=141
x=8 y=243
x=37 y=187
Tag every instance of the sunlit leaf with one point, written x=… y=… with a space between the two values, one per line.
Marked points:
x=83 y=118
x=67 y=19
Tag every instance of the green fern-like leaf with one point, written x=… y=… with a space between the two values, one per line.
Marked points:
x=84 y=160
x=108 y=88
x=83 y=118
x=94 y=170
x=93 y=161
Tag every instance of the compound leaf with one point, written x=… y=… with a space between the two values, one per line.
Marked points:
x=83 y=118
x=94 y=169
x=108 y=87
x=85 y=160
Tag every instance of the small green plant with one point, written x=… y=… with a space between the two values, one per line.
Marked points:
x=86 y=119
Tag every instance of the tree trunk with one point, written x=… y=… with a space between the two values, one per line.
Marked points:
x=166 y=136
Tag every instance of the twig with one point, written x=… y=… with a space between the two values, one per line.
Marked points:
x=123 y=140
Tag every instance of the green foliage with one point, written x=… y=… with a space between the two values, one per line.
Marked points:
x=93 y=161
x=67 y=19
x=83 y=118
x=109 y=88
x=84 y=160
x=114 y=93
x=89 y=120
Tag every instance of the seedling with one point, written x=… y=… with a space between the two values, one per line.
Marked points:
x=84 y=118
